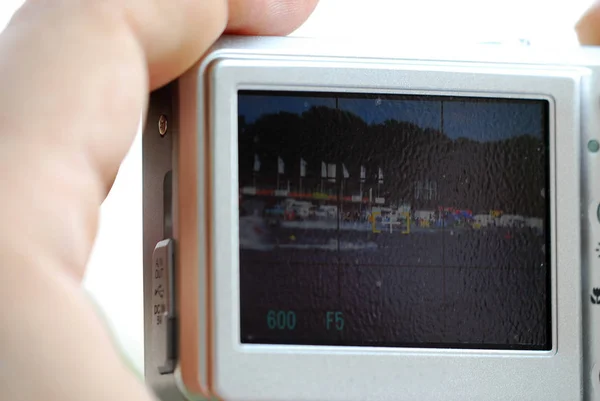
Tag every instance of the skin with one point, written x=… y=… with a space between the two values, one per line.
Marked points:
x=588 y=27
x=75 y=79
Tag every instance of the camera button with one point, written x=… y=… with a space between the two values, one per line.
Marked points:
x=596 y=376
x=594 y=212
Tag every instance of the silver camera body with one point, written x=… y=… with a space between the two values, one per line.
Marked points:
x=341 y=221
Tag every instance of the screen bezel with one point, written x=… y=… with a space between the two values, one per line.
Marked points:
x=329 y=370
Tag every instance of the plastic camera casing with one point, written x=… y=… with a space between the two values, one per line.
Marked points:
x=190 y=200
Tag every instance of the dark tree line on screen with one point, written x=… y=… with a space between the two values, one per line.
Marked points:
x=507 y=175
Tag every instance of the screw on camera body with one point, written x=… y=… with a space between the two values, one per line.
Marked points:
x=162 y=125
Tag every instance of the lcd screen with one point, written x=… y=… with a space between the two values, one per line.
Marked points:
x=396 y=221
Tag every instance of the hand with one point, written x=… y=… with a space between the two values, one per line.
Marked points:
x=74 y=79
x=588 y=26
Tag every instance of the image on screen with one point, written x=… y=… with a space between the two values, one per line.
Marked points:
x=394 y=221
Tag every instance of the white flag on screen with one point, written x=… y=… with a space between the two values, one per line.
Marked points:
x=345 y=170
x=256 y=163
x=280 y=165
x=302 y=167
x=380 y=176
x=323 y=170
x=331 y=170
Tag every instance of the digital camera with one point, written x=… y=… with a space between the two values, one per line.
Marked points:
x=353 y=221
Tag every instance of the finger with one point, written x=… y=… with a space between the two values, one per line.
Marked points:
x=74 y=78
x=172 y=33
x=268 y=17
x=53 y=346
x=79 y=70
x=588 y=26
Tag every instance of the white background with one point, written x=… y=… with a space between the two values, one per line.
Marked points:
x=114 y=276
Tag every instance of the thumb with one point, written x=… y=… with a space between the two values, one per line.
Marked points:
x=74 y=77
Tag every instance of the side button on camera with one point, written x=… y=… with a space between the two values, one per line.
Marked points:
x=595 y=377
